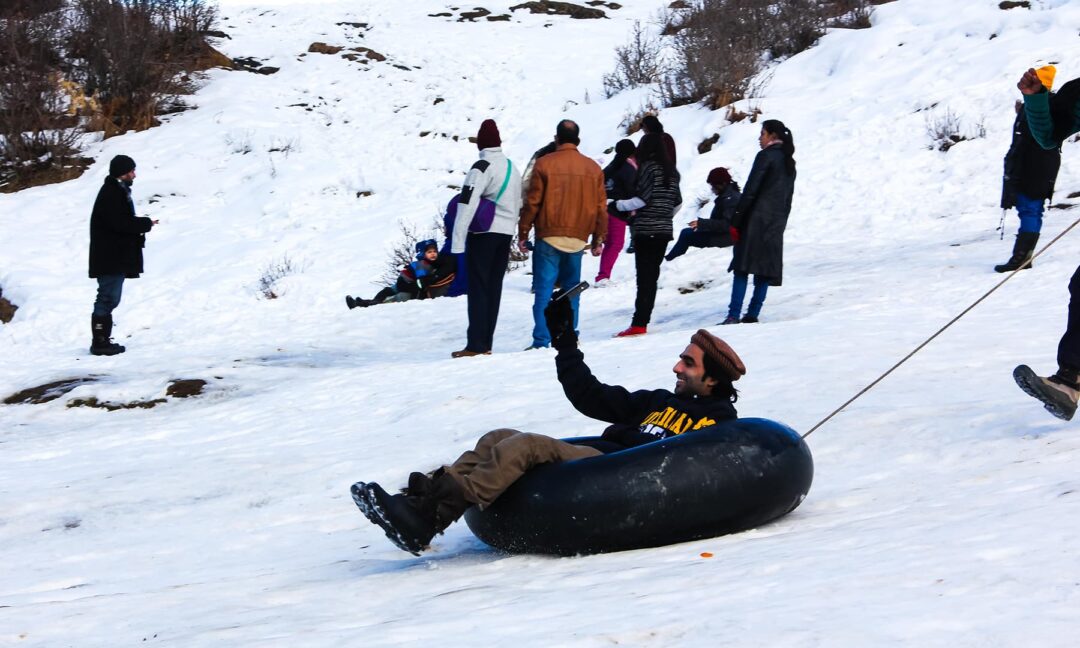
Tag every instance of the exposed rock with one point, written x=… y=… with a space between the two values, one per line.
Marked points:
x=499 y=18
x=1011 y=4
x=323 y=48
x=552 y=8
x=708 y=143
x=7 y=309
x=478 y=12
x=368 y=53
x=47 y=392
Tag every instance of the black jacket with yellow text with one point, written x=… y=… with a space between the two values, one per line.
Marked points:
x=637 y=417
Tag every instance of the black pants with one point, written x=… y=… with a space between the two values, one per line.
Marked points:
x=649 y=253
x=1069 y=347
x=486 y=257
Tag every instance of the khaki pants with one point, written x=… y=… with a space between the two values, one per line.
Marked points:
x=502 y=456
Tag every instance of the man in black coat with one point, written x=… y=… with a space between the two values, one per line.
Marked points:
x=1030 y=173
x=117 y=238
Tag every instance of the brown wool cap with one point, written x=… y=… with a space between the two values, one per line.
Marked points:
x=719 y=351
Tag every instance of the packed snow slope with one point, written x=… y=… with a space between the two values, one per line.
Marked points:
x=946 y=505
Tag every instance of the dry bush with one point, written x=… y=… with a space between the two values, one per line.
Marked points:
x=721 y=45
x=35 y=135
x=637 y=63
x=273 y=272
x=131 y=53
x=947 y=129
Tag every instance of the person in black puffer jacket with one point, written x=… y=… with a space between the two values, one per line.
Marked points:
x=657 y=198
x=760 y=219
x=714 y=231
x=117 y=237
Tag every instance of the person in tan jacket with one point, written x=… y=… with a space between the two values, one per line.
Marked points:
x=567 y=205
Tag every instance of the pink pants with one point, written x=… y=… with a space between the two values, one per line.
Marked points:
x=616 y=236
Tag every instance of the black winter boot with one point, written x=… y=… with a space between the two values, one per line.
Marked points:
x=1023 y=250
x=101 y=344
x=409 y=521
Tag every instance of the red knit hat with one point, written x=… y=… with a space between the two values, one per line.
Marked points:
x=719 y=351
x=719 y=176
x=488 y=135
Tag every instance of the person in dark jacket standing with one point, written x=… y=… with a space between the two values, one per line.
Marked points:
x=117 y=238
x=1053 y=119
x=656 y=200
x=760 y=219
x=619 y=176
x=714 y=231
x=703 y=395
x=1028 y=182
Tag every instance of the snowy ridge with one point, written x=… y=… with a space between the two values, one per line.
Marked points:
x=945 y=506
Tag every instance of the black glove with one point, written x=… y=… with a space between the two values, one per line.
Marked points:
x=559 y=316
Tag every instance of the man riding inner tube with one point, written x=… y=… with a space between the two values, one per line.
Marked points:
x=704 y=394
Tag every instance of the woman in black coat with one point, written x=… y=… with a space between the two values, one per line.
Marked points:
x=760 y=219
x=656 y=199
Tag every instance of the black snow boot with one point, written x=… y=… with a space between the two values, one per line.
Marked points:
x=1059 y=393
x=1023 y=250
x=412 y=518
x=101 y=344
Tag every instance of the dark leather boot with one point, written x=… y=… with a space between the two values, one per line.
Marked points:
x=101 y=344
x=1023 y=250
x=409 y=521
x=449 y=499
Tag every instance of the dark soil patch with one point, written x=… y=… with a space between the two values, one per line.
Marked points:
x=679 y=4
x=552 y=8
x=112 y=407
x=600 y=3
x=363 y=54
x=1010 y=4
x=7 y=309
x=356 y=25
x=1062 y=206
x=47 y=392
x=499 y=18
x=185 y=388
x=693 y=287
x=1075 y=194
x=707 y=144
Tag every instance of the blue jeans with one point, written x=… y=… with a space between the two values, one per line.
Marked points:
x=738 y=293
x=109 y=290
x=550 y=266
x=1030 y=211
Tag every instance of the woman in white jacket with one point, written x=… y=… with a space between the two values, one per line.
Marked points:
x=487 y=245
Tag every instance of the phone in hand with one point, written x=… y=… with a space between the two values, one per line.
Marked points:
x=573 y=291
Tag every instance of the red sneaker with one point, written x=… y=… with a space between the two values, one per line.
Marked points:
x=631 y=331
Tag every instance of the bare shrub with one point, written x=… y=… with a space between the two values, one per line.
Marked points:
x=947 y=129
x=35 y=135
x=273 y=272
x=130 y=54
x=637 y=63
x=720 y=45
x=850 y=14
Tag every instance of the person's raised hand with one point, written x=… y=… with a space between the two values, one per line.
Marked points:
x=1029 y=83
x=559 y=315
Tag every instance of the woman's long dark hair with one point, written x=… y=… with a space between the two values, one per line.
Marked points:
x=623 y=151
x=651 y=149
x=777 y=128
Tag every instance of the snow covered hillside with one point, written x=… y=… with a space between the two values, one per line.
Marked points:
x=946 y=504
